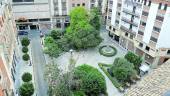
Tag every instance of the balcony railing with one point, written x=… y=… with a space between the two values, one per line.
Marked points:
x=125 y=29
x=129 y=21
x=131 y=12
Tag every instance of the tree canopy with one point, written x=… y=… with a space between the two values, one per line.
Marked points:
x=95 y=18
x=80 y=31
x=135 y=59
x=91 y=81
x=122 y=70
x=51 y=47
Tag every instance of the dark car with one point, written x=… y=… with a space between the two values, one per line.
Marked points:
x=22 y=33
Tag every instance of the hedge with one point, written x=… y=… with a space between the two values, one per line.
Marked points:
x=113 y=80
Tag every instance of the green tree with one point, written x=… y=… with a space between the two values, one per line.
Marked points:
x=123 y=70
x=135 y=59
x=56 y=34
x=57 y=81
x=26 y=89
x=25 y=41
x=95 y=18
x=26 y=77
x=51 y=47
x=80 y=32
x=92 y=82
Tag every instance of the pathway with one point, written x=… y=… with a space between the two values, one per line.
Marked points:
x=92 y=57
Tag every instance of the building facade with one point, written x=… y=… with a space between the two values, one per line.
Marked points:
x=31 y=14
x=7 y=50
x=141 y=26
x=60 y=9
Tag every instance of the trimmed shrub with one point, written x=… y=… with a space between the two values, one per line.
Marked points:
x=26 y=89
x=24 y=49
x=26 y=77
x=92 y=81
x=26 y=57
x=25 y=41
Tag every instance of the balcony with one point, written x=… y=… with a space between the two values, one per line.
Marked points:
x=129 y=21
x=131 y=12
x=125 y=29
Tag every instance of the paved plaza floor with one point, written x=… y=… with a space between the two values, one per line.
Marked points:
x=92 y=57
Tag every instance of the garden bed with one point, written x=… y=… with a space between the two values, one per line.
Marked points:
x=113 y=80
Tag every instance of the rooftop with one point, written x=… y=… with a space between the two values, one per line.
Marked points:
x=156 y=83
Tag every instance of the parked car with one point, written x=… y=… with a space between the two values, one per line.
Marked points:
x=22 y=33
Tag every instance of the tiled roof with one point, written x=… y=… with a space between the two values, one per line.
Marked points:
x=156 y=83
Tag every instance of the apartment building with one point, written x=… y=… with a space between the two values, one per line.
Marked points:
x=141 y=26
x=31 y=14
x=8 y=58
x=60 y=9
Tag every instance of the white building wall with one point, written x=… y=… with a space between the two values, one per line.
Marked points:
x=164 y=35
x=150 y=22
x=114 y=8
x=33 y=10
x=60 y=7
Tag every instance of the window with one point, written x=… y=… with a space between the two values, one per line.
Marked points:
x=45 y=19
x=140 y=32
x=143 y=23
x=109 y=18
x=160 y=4
x=156 y=29
x=110 y=10
x=130 y=27
x=73 y=5
x=159 y=18
x=145 y=13
x=165 y=7
x=126 y=34
x=168 y=52
x=131 y=36
x=83 y=4
x=149 y=4
x=110 y=27
x=119 y=5
x=140 y=45
x=145 y=2
x=78 y=4
x=23 y=0
x=117 y=21
x=118 y=13
x=153 y=39
x=147 y=48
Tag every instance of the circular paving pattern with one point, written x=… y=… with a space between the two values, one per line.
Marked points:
x=107 y=50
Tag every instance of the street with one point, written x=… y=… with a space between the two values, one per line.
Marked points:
x=38 y=63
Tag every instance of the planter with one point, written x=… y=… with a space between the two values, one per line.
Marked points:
x=107 y=50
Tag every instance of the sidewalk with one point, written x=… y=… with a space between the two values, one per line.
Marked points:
x=22 y=67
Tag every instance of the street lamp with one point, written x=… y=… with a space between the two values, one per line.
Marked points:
x=71 y=52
